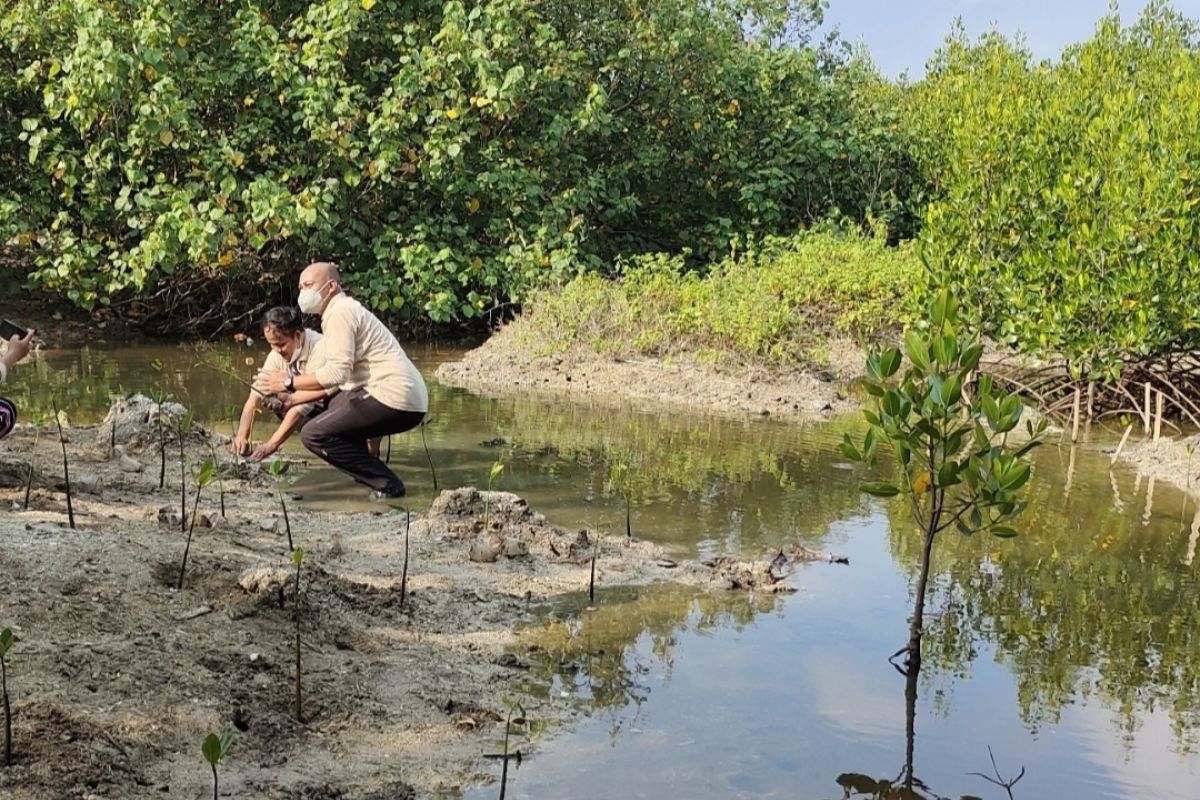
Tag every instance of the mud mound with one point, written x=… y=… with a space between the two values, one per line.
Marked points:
x=501 y=524
x=134 y=421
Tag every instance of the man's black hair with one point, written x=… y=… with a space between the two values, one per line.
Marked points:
x=284 y=319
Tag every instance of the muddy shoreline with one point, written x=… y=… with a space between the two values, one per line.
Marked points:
x=506 y=364
x=118 y=675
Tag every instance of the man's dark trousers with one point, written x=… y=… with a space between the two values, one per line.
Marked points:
x=340 y=433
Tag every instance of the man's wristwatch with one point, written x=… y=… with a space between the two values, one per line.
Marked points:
x=289 y=384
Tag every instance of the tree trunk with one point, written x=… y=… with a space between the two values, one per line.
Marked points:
x=916 y=626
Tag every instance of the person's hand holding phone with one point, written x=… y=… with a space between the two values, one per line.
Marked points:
x=20 y=341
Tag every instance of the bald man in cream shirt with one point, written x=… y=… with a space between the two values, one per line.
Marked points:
x=380 y=392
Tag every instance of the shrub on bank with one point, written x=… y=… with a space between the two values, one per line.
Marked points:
x=776 y=307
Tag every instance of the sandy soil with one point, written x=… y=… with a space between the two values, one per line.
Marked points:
x=505 y=364
x=118 y=675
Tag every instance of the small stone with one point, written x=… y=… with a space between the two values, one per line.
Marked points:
x=484 y=551
x=265 y=578
x=515 y=548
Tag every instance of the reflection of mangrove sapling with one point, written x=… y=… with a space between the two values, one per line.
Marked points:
x=38 y=421
x=62 y=441
x=298 y=559
x=214 y=749
x=497 y=468
x=951 y=455
x=6 y=642
x=203 y=478
x=277 y=468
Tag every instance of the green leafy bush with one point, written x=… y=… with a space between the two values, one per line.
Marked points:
x=775 y=307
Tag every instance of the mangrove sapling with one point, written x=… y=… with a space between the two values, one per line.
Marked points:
x=428 y=457
x=62 y=441
x=218 y=472
x=203 y=478
x=952 y=459
x=619 y=477
x=298 y=559
x=160 y=397
x=497 y=468
x=404 y=569
x=513 y=706
x=214 y=749
x=277 y=468
x=38 y=421
x=185 y=427
x=6 y=642
x=592 y=579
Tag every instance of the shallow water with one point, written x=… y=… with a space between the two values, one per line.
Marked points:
x=1072 y=651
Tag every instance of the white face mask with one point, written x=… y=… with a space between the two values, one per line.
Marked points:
x=309 y=300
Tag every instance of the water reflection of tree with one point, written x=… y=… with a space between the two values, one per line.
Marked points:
x=87 y=380
x=599 y=657
x=1090 y=601
x=731 y=471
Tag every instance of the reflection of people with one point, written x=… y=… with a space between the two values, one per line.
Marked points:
x=381 y=392
x=18 y=348
x=292 y=347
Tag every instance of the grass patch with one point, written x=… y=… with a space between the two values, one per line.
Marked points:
x=776 y=308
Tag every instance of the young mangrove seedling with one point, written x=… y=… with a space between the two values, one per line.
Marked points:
x=62 y=441
x=277 y=468
x=38 y=421
x=620 y=478
x=160 y=397
x=592 y=579
x=497 y=468
x=6 y=642
x=203 y=478
x=404 y=569
x=428 y=457
x=185 y=427
x=952 y=460
x=513 y=707
x=214 y=749
x=219 y=472
x=298 y=559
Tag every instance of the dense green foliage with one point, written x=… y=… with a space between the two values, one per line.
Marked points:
x=449 y=155
x=776 y=307
x=1065 y=212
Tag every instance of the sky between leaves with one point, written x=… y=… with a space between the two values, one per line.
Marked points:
x=902 y=34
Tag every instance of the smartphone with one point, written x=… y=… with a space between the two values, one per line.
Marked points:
x=9 y=330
